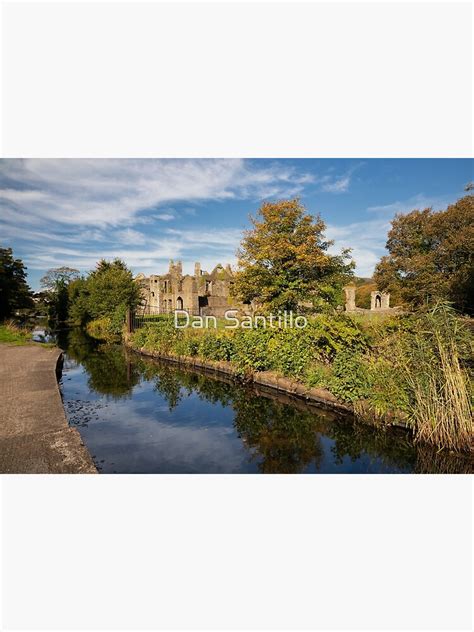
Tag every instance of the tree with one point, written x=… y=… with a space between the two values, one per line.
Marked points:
x=57 y=277
x=111 y=287
x=56 y=282
x=284 y=260
x=78 y=299
x=106 y=292
x=14 y=291
x=431 y=256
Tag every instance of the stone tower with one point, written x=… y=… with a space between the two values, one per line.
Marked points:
x=350 y=292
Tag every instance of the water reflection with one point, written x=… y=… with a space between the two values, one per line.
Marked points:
x=140 y=415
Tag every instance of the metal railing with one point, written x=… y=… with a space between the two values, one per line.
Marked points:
x=150 y=315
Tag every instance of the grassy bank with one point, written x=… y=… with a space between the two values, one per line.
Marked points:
x=413 y=368
x=14 y=335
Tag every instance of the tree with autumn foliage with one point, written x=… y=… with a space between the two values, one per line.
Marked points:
x=284 y=261
x=431 y=256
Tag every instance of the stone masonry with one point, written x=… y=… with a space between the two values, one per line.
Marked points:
x=201 y=294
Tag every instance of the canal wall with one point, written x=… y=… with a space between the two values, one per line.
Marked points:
x=35 y=436
x=269 y=379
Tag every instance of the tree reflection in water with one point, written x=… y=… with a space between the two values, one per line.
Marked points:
x=281 y=434
x=110 y=371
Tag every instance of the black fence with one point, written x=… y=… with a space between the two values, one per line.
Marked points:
x=148 y=317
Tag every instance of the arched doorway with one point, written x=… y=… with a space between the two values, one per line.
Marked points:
x=179 y=303
x=378 y=301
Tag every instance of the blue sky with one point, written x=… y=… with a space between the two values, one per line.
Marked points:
x=74 y=212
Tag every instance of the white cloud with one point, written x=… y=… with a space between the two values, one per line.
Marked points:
x=103 y=193
x=367 y=240
x=419 y=201
x=165 y=217
x=338 y=185
x=130 y=237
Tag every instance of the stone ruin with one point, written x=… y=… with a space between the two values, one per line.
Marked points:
x=201 y=294
x=379 y=301
x=210 y=293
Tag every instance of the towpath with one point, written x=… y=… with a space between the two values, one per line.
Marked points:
x=34 y=433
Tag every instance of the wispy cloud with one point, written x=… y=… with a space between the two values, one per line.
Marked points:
x=103 y=193
x=338 y=185
x=419 y=201
x=330 y=183
x=123 y=208
x=366 y=239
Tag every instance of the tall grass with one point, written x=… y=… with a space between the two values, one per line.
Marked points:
x=431 y=358
x=12 y=333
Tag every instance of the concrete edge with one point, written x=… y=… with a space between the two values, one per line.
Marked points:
x=58 y=368
x=268 y=379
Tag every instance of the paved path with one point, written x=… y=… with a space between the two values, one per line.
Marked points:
x=34 y=434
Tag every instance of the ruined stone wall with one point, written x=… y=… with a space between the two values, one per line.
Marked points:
x=202 y=293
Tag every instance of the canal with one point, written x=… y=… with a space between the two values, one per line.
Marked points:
x=138 y=415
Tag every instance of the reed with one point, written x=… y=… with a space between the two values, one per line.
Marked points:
x=440 y=401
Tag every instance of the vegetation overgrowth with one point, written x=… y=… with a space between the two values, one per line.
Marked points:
x=410 y=368
x=13 y=334
x=416 y=367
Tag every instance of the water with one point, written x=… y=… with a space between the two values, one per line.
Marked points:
x=41 y=334
x=137 y=415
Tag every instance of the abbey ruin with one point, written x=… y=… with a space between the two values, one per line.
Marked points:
x=201 y=294
x=210 y=293
x=379 y=301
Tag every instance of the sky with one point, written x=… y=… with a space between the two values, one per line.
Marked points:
x=73 y=212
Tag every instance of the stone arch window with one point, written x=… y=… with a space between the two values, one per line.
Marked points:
x=153 y=294
x=179 y=303
x=378 y=301
x=170 y=305
x=180 y=285
x=165 y=286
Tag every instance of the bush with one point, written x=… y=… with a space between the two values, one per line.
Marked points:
x=350 y=377
x=388 y=391
x=103 y=329
x=331 y=334
x=186 y=345
x=289 y=351
x=318 y=375
x=214 y=346
x=251 y=349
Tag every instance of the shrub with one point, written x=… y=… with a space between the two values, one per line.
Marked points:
x=251 y=349
x=102 y=329
x=318 y=375
x=186 y=344
x=214 y=346
x=289 y=351
x=350 y=377
x=332 y=334
x=388 y=391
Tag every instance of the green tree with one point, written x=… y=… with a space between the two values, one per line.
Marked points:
x=55 y=282
x=431 y=256
x=14 y=291
x=78 y=297
x=111 y=289
x=284 y=260
x=106 y=292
